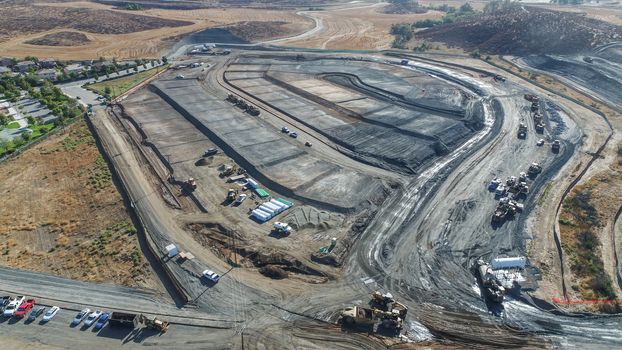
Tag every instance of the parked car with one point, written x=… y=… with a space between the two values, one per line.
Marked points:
x=240 y=199
x=51 y=313
x=211 y=275
x=36 y=312
x=102 y=321
x=540 y=142
x=80 y=316
x=308 y=144
x=92 y=317
x=285 y=130
x=210 y=152
x=294 y=135
x=12 y=306
x=4 y=301
x=24 y=307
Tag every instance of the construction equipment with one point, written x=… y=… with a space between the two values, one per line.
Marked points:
x=522 y=131
x=534 y=169
x=503 y=211
x=327 y=250
x=281 y=228
x=191 y=183
x=511 y=181
x=522 y=177
x=232 y=98
x=252 y=110
x=494 y=183
x=588 y=59
x=122 y=320
x=385 y=312
x=492 y=288
x=555 y=146
x=232 y=194
x=531 y=98
x=540 y=128
x=155 y=323
x=228 y=170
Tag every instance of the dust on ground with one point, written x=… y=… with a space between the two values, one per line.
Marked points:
x=62 y=214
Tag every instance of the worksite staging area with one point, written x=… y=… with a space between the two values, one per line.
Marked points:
x=332 y=133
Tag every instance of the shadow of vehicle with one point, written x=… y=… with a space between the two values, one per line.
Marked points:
x=116 y=332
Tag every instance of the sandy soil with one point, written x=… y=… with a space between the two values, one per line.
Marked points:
x=62 y=214
x=149 y=43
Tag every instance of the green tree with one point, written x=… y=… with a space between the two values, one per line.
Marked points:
x=164 y=59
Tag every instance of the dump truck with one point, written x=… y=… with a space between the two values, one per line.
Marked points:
x=282 y=228
x=155 y=323
x=386 y=302
x=539 y=127
x=492 y=288
x=123 y=320
x=555 y=146
x=232 y=98
x=252 y=110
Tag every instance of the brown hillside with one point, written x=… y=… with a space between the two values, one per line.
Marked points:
x=525 y=30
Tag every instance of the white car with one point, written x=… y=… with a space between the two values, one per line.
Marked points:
x=10 y=309
x=540 y=142
x=51 y=313
x=80 y=316
x=240 y=199
x=211 y=275
x=93 y=316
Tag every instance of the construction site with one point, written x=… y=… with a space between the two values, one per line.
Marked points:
x=295 y=198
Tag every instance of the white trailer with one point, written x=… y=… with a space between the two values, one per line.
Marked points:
x=275 y=208
x=518 y=262
x=261 y=215
x=267 y=210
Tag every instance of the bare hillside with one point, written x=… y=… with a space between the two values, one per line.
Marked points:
x=525 y=30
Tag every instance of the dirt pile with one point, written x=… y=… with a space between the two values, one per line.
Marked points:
x=20 y=20
x=523 y=30
x=64 y=38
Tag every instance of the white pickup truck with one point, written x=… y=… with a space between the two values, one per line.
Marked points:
x=10 y=309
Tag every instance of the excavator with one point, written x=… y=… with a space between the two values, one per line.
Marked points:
x=155 y=323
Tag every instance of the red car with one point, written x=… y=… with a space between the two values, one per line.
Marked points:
x=24 y=307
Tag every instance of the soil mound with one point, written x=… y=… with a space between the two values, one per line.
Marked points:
x=522 y=30
x=61 y=39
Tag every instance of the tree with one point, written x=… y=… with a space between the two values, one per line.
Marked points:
x=164 y=59
x=136 y=69
x=107 y=90
x=466 y=8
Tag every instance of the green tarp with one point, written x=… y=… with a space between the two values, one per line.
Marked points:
x=262 y=193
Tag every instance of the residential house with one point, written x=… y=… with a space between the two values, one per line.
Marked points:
x=47 y=63
x=75 y=68
x=47 y=74
x=24 y=66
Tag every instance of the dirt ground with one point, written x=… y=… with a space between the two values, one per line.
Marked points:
x=360 y=28
x=147 y=42
x=62 y=214
x=65 y=38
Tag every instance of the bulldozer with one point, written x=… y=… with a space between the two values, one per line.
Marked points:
x=155 y=323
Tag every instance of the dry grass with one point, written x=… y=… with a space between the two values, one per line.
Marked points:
x=151 y=43
x=62 y=214
x=357 y=28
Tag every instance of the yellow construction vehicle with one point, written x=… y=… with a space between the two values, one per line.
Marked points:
x=232 y=195
x=155 y=323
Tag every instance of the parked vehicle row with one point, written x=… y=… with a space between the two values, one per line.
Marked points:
x=96 y=317
x=19 y=306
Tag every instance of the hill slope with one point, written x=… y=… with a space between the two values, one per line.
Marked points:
x=525 y=30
